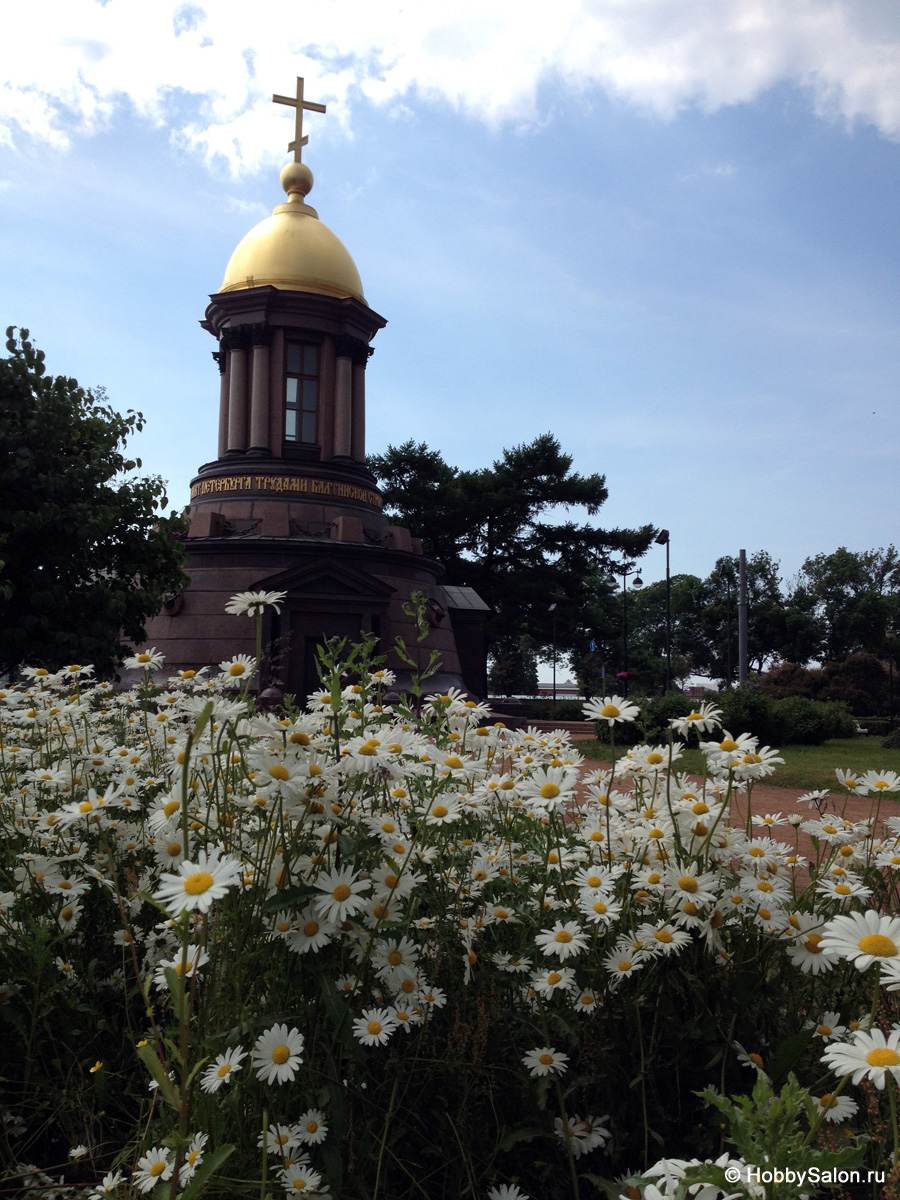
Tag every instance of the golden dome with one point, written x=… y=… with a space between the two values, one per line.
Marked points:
x=293 y=250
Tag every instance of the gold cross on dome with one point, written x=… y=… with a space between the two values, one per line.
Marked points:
x=299 y=105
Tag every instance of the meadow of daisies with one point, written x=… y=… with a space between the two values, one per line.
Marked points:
x=383 y=947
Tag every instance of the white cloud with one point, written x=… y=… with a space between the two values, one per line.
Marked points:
x=71 y=65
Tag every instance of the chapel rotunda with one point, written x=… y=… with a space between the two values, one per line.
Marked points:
x=288 y=503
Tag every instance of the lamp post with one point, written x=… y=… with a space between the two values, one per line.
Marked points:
x=625 y=571
x=890 y=635
x=552 y=609
x=662 y=539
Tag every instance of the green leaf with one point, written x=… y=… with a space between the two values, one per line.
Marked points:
x=150 y=1059
x=206 y=1170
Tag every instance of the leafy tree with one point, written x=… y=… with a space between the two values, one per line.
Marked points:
x=498 y=530
x=856 y=597
x=87 y=557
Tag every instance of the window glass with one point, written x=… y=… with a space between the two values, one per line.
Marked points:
x=301 y=392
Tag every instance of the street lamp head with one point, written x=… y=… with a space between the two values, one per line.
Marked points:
x=662 y=538
x=637 y=581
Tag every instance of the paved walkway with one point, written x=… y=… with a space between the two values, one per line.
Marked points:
x=768 y=799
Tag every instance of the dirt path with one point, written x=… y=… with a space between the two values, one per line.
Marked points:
x=768 y=799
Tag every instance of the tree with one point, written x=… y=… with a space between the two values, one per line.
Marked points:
x=87 y=556
x=855 y=596
x=493 y=530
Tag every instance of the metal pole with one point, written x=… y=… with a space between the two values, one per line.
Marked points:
x=554 y=656
x=625 y=633
x=668 y=621
x=728 y=630
x=743 y=662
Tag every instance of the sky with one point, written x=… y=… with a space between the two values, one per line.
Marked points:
x=664 y=230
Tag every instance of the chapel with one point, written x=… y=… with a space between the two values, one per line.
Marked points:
x=288 y=504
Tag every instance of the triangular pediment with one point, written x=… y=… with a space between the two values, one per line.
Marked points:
x=325 y=577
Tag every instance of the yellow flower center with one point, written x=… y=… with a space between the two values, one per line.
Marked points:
x=654 y=759
x=173 y=849
x=280 y=1055
x=341 y=892
x=549 y=791
x=600 y=907
x=158 y=1167
x=374 y=1027
x=663 y=935
x=625 y=964
x=563 y=936
x=198 y=883
x=453 y=762
x=609 y=710
x=224 y=1070
x=812 y=943
x=883 y=1058
x=756 y=1058
x=545 y=1060
x=728 y=745
x=825 y=1030
x=687 y=883
x=843 y=889
x=236 y=669
x=554 y=978
x=279 y=772
x=312 y=1126
x=878 y=946
x=395 y=958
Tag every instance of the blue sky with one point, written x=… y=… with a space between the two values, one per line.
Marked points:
x=665 y=230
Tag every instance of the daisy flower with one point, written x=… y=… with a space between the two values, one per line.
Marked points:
x=545 y=1060
x=563 y=940
x=279 y=1140
x=704 y=719
x=237 y=668
x=806 y=949
x=851 y=782
x=220 y=1072
x=830 y=1027
x=152 y=1168
x=612 y=709
x=555 y=980
x=582 y=1133
x=863 y=938
x=341 y=894
x=836 y=1108
x=277 y=1054
x=106 y=1186
x=299 y=1180
x=253 y=603
x=310 y=1128
x=507 y=1191
x=871 y=1056
x=881 y=781
x=196 y=885
x=375 y=1026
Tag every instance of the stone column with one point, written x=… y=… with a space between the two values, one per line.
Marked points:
x=358 y=413
x=259 y=399
x=342 y=386
x=237 y=400
x=219 y=356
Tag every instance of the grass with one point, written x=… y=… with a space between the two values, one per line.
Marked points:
x=805 y=767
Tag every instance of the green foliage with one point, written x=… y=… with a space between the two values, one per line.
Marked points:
x=491 y=529
x=803 y=722
x=87 y=555
x=748 y=710
x=855 y=598
x=772 y=1133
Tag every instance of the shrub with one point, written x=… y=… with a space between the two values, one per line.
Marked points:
x=803 y=722
x=892 y=741
x=745 y=709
